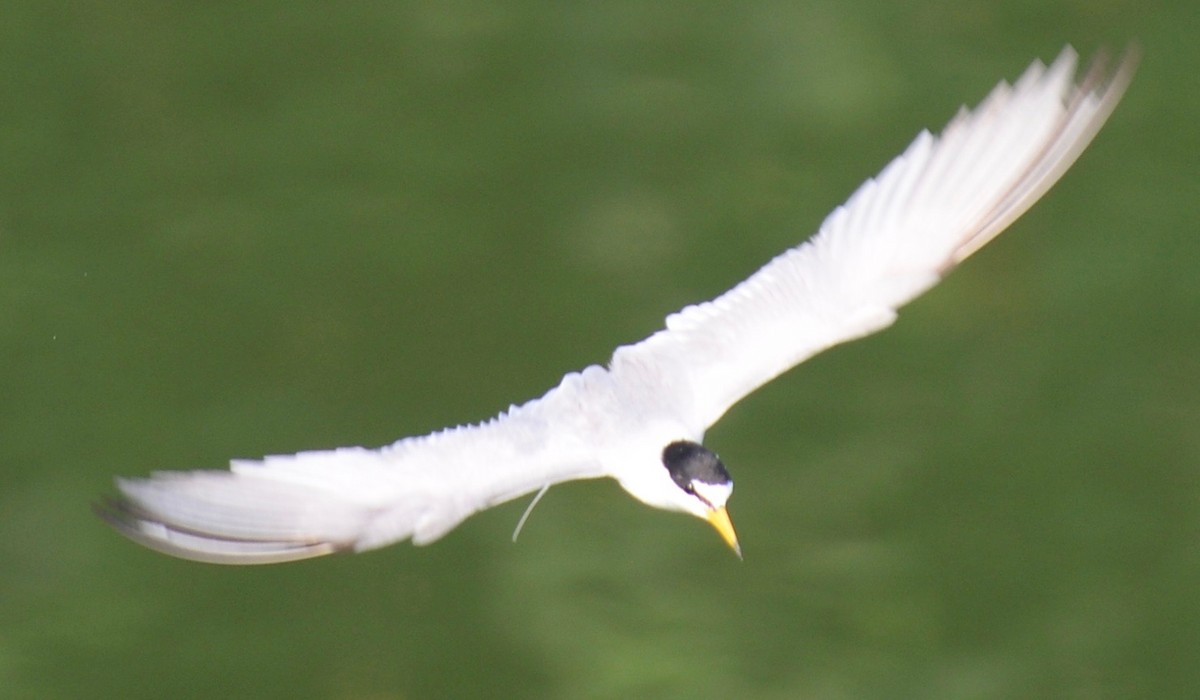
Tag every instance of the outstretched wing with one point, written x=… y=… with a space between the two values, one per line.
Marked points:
x=899 y=233
x=290 y=507
x=930 y=208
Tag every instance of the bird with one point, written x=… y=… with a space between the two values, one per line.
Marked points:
x=641 y=418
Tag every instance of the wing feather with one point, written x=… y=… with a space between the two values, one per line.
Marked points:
x=289 y=507
x=897 y=235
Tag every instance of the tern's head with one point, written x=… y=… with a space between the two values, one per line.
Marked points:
x=698 y=483
x=705 y=484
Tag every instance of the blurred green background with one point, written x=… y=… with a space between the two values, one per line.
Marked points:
x=232 y=229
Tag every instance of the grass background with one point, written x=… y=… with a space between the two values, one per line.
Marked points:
x=232 y=229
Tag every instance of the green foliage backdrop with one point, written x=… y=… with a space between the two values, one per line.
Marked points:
x=231 y=229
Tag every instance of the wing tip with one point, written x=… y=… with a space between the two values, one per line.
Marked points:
x=156 y=532
x=1092 y=98
x=1114 y=82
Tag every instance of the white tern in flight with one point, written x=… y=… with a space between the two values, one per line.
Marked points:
x=641 y=419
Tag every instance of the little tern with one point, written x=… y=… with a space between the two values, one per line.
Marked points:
x=641 y=420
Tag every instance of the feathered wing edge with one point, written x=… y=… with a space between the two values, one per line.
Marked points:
x=227 y=517
x=150 y=530
x=894 y=238
x=288 y=507
x=1088 y=107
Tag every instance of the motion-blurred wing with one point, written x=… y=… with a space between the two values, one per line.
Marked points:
x=292 y=507
x=899 y=233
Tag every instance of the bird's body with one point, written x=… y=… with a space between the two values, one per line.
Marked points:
x=642 y=418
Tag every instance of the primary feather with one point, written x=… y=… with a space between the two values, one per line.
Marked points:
x=897 y=235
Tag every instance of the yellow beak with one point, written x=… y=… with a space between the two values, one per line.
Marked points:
x=719 y=519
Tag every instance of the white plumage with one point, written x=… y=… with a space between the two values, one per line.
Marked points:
x=897 y=235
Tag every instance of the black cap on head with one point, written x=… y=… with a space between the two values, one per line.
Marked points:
x=687 y=462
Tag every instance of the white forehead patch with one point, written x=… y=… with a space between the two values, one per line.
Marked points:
x=714 y=494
